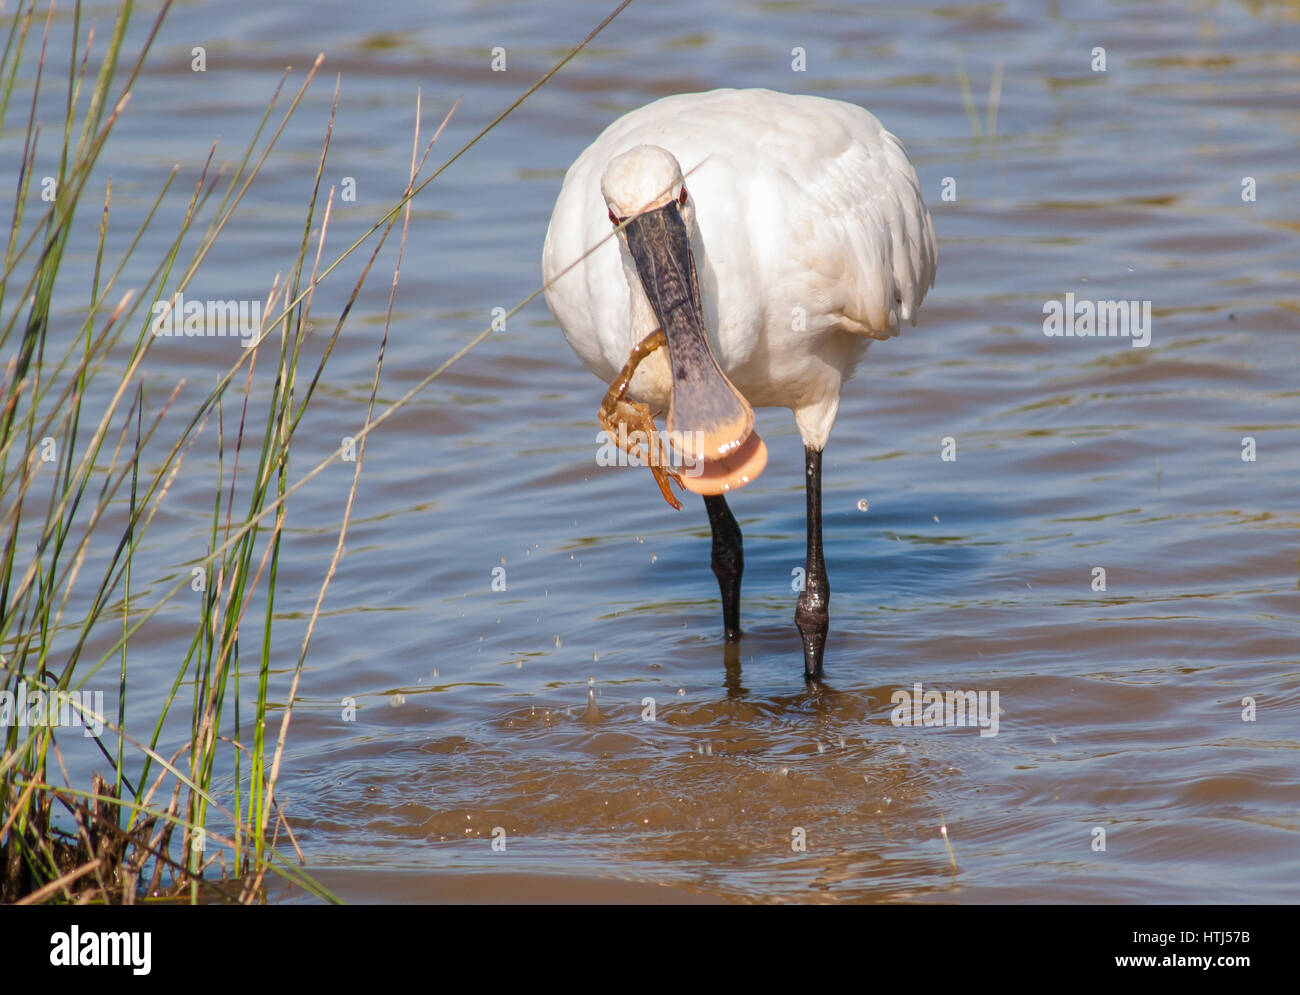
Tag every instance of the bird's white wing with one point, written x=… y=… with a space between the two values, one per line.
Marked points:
x=863 y=242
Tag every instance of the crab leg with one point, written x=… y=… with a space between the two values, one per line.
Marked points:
x=617 y=412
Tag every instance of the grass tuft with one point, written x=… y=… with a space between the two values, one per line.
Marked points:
x=88 y=457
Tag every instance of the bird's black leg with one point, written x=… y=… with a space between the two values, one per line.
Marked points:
x=812 y=615
x=728 y=561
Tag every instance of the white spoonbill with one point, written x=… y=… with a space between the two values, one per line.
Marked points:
x=763 y=240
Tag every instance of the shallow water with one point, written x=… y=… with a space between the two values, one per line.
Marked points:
x=1120 y=709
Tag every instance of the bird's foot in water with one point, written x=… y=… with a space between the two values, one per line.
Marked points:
x=618 y=415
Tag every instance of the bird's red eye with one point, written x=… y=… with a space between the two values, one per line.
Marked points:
x=613 y=220
x=682 y=199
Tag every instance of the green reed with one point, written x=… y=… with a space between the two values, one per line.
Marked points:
x=74 y=525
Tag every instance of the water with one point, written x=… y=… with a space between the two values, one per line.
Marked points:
x=1121 y=709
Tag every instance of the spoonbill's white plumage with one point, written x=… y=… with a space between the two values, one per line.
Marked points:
x=770 y=237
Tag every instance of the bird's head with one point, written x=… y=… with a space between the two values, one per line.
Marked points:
x=709 y=422
x=646 y=178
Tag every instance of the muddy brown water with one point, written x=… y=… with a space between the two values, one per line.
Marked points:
x=1120 y=710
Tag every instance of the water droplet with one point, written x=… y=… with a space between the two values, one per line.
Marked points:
x=681 y=691
x=558 y=642
x=397 y=699
x=654 y=557
x=592 y=714
x=863 y=504
x=591 y=682
x=821 y=747
x=936 y=517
